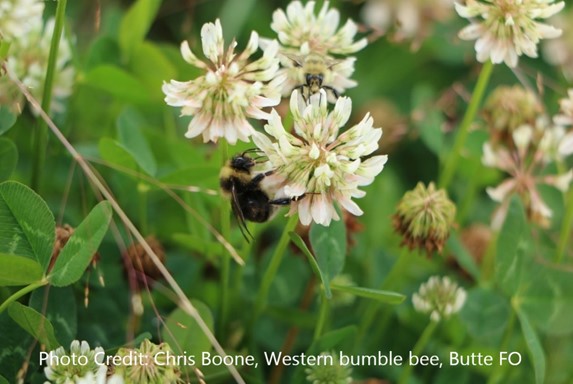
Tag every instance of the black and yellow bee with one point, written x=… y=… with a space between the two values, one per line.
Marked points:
x=250 y=199
x=314 y=68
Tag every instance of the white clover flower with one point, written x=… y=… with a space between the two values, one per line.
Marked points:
x=231 y=89
x=89 y=364
x=28 y=60
x=301 y=33
x=318 y=160
x=508 y=28
x=100 y=378
x=440 y=297
x=18 y=17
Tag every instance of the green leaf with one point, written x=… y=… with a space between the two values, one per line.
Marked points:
x=299 y=242
x=115 y=153
x=534 y=347
x=119 y=83
x=387 y=297
x=18 y=270
x=544 y=295
x=485 y=314
x=3 y=380
x=136 y=23
x=151 y=66
x=462 y=256
x=329 y=246
x=34 y=323
x=102 y=50
x=183 y=334
x=14 y=346
x=509 y=247
x=8 y=158
x=27 y=227
x=80 y=248
x=7 y=119
x=129 y=124
x=59 y=307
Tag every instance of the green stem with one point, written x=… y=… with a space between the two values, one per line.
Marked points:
x=389 y=282
x=453 y=157
x=499 y=371
x=22 y=292
x=41 y=133
x=470 y=193
x=143 y=188
x=322 y=316
x=565 y=234
x=273 y=267
x=418 y=348
x=226 y=261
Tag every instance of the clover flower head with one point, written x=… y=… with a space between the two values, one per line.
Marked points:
x=334 y=373
x=440 y=297
x=305 y=36
x=300 y=26
x=406 y=19
x=28 y=60
x=154 y=367
x=424 y=217
x=231 y=89
x=317 y=162
x=510 y=107
x=88 y=363
x=524 y=159
x=507 y=29
x=18 y=17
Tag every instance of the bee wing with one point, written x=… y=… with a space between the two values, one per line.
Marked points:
x=296 y=59
x=330 y=62
x=239 y=215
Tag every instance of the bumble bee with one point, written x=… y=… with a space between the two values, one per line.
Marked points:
x=250 y=201
x=314 y=68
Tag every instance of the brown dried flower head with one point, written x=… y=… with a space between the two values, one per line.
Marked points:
x=424 y=217
x=141 y=261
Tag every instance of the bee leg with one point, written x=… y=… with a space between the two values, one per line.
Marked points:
x=301 y=88
x=258 y=178
x=334 y=91
x=286 y=200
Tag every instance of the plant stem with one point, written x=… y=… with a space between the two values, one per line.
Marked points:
x=143 y=189
x=273 y=267
x=565 y=234
x=469 y=194
x=453 y=157
x=226 y=261
x=41 y=133
x=419 y=347
x=322 y=316
x=16 y=295
x=388 y=283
